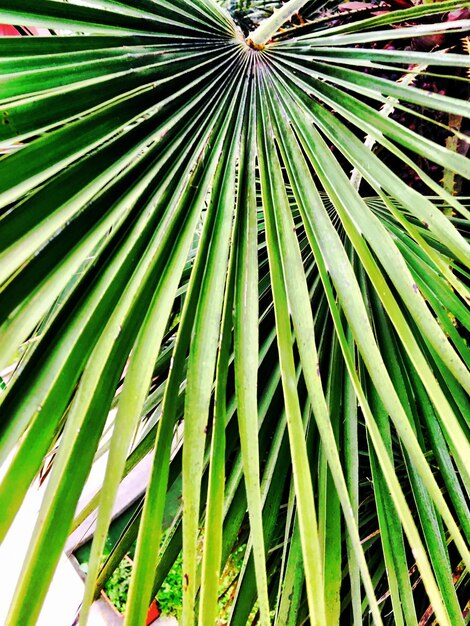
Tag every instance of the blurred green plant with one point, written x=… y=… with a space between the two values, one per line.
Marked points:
x=117 y=587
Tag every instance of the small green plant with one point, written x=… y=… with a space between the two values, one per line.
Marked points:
x=228 y=582
x=170 y=596
x=117 y=586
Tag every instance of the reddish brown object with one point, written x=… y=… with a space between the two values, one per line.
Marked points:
x=356 y=6
x=400 y=4
x=458 y=14
x=10 y=31
x=428 y=42
x=153 y=613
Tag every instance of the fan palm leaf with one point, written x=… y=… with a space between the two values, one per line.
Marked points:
x=182 y=242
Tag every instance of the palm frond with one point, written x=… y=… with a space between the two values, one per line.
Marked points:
x=182 y=247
